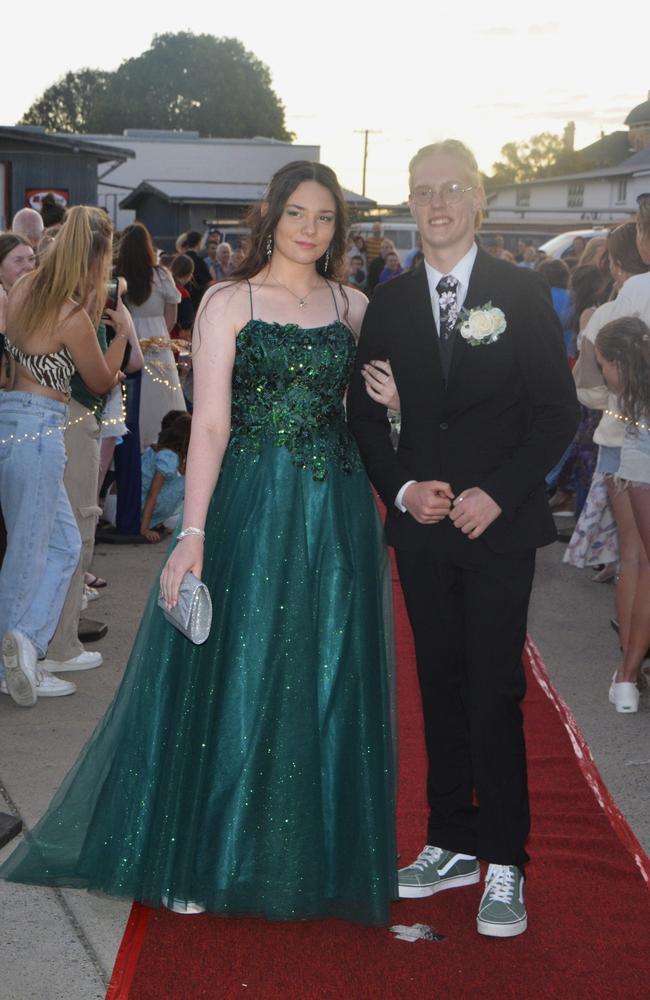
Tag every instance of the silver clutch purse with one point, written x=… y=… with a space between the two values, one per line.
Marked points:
x=193 y=613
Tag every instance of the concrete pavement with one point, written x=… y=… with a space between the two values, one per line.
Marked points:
x=61 y=945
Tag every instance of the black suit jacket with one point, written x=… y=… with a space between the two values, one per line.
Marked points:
x=502 y=420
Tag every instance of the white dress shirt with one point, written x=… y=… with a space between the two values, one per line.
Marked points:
x=461 y=272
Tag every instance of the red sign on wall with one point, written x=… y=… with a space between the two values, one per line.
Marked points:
x=34 y=197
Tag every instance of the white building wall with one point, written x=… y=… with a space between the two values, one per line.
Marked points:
x=549 y=202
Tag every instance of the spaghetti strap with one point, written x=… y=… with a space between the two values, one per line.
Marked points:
x=250 y=295
x=335 y=302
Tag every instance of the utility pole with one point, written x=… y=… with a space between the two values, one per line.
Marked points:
x=365 y=132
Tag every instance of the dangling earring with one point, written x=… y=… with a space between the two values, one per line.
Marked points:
x=269 y=247
x=327 y=261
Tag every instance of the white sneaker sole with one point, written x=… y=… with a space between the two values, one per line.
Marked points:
x=502 y=930
x=418 y=891
x=20 y=685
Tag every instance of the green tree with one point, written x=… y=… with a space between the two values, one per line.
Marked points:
x=67 y=105
x=543 y=155
x=183 y=81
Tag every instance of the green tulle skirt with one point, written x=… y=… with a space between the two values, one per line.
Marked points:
x=253 y=774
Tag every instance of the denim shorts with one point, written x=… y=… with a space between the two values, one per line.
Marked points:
x=635 y=456
x=608 y=460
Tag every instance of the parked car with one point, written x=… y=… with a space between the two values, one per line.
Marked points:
x=560 y=245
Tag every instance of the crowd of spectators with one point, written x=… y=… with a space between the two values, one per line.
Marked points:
x=126 y=443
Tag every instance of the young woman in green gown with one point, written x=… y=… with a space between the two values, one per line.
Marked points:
x=254 y=774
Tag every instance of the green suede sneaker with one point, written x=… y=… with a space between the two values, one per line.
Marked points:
x=502 y=912
x=436 y=869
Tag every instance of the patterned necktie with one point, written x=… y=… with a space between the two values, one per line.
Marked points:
x=446 y=289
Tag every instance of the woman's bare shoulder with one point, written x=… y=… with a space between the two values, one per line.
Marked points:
x=225 y=305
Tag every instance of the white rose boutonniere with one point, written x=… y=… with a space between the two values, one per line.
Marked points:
x=482 y=325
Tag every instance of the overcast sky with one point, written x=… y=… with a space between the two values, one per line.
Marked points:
x=414 y=71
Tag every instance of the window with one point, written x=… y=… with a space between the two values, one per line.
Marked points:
x=576 y=194
x=522 y=197
x=621 y=195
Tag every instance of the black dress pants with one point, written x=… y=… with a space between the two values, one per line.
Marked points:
x=468 y=607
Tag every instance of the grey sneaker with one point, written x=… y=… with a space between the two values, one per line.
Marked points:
x=502 y=912
x=19 y=660
x=436 y=869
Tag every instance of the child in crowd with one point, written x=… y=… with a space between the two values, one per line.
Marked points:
x=163 y=475
x=623 y=353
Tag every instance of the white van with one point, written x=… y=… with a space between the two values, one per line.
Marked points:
x=402 y=234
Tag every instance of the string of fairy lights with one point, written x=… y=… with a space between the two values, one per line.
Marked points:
x=625 y=420
x=159 y=379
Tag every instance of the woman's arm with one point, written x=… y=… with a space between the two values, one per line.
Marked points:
x=149 y=506
x=99 y=371
x=220 y=317
x=136 y=358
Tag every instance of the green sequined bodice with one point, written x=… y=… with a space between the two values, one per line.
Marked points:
x=287 y=390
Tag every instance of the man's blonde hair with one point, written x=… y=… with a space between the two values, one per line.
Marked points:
x=458 y=149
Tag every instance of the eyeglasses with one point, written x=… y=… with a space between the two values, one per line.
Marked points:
x=450 y=193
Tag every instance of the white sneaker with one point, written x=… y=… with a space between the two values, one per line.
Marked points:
x=19 y=659
x=49 y=686
x=87 y=660
x=624 y=696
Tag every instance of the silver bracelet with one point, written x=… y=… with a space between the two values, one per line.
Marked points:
x=190 y=531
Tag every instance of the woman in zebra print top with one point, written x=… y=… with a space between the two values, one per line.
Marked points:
x=52 y=317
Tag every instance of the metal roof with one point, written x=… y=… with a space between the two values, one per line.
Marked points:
x=213 y=192
x=36 y=135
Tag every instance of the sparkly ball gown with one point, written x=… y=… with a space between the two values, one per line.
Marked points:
x=254 y=774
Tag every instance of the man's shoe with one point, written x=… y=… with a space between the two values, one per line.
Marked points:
x=87 y=660
x=90 y=630
x=436 y=869
x=19 y=659
x=502 y=912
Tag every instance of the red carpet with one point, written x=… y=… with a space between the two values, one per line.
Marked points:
x=587 y=894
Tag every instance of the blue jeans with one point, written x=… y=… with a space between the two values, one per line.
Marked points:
x=43 y=543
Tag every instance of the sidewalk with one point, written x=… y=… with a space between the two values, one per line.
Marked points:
x=61 y=945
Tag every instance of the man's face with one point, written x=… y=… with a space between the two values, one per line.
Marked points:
x=445 y=228
x=530 y=253
x=376 y=229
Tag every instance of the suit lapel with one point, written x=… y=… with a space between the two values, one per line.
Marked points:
x=422 y=322
x=478 y=294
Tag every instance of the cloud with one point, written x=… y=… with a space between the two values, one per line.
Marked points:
x=497 y=30
x=549 y=28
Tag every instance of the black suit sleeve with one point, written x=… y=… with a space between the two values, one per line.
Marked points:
x=550 y=394
x=368 y=420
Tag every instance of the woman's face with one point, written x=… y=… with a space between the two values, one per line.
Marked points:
x=611 y=372
x=306 y=226
x=392 y=262
x=17 y=262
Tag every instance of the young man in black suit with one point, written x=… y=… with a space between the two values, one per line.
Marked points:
x=487 y=407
